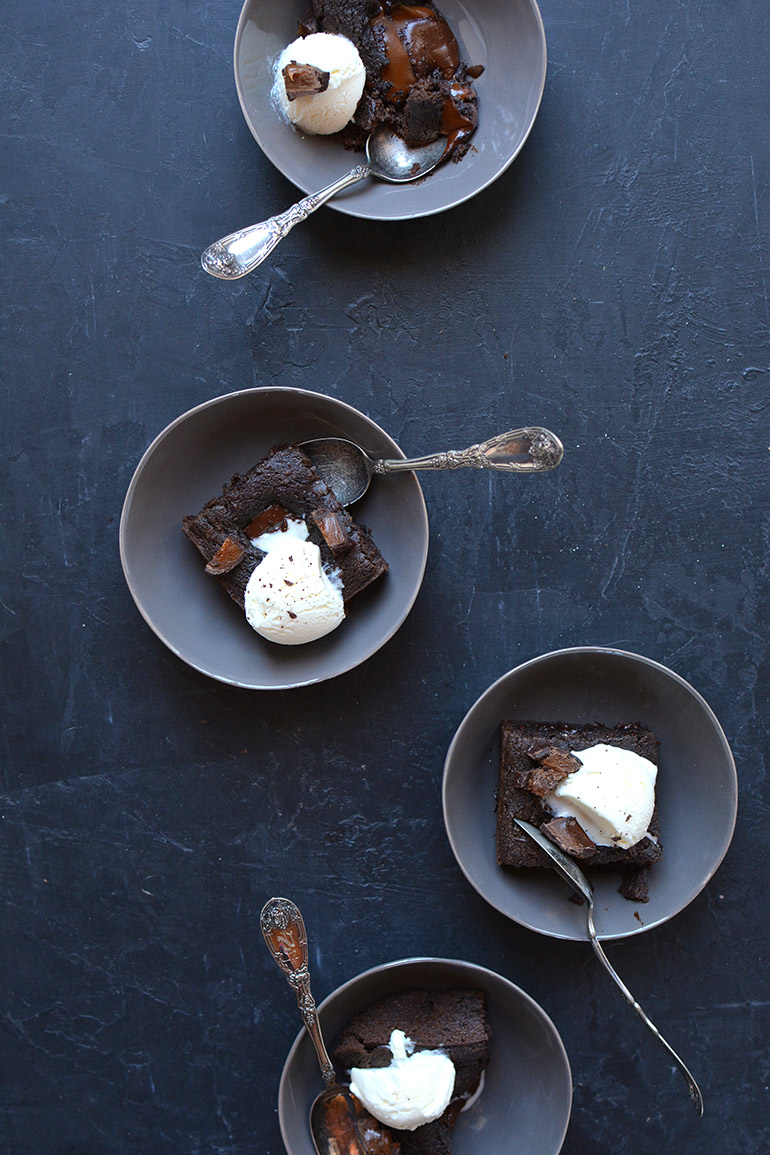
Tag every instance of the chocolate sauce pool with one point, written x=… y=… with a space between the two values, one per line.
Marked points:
x=418 y=43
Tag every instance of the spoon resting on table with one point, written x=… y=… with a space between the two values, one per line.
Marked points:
x=348 y=470
x=572 y=874
x=387 y=157
x=333 y=1113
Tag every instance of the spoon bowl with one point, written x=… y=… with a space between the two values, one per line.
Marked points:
x=348 y=469
x=388 y=158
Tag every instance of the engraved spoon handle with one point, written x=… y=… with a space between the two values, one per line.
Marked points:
x=239 y=253
x=528 y=450
x=284 y=931
x=696 y=1098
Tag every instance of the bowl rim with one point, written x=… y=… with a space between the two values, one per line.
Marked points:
x=340 y=205
x=430 y=960
x=125 y=516
x=609 y=651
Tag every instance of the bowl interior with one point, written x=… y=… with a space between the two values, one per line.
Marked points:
x=525 y=1105
x=505 y=36
x=696 y=787
x=187 y=465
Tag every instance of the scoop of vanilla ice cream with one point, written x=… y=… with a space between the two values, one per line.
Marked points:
x=325 y=112
x=295 y=527
x=290 y=599
x=612 y=795
x=414 y=1089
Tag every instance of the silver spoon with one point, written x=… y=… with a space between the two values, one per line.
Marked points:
x=348 y=470
x=333 y=1112
x=571 y=873
x=387 y=157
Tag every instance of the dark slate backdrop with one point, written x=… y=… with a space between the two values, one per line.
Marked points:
x=613 y=285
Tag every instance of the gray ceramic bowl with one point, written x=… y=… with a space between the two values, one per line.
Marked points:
x=506 y=36
x=186 y=465
x=525 y=1105
x=697 y=787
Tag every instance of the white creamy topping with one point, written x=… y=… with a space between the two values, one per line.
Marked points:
x=295 y=527
x=290 y=599
x=322 y=113
x=612 y=795
x=415 y=1089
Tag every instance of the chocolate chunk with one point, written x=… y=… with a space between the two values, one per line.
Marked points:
x=227 y=557
x=422 y=114
x=560 y=761
x=271 y=518
x=542 y=781
x=570 y=836
x=332 y=530
x=554 y=766
x=304 y=80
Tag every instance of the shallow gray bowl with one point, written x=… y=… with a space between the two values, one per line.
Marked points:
x=697 y=787
x=187 y=464
x=525 y=1105
x=506 y=36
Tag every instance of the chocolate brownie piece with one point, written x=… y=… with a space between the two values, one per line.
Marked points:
x=423 y=113
x=351 y=18
x=454 y=1021
x=528 y=750
x=283 y=482
x=416 y=82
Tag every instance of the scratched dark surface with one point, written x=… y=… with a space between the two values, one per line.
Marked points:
x=613 y=285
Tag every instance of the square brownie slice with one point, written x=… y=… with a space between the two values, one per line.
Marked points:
x=453 y=1021
x=534 y=757
x=284 y=483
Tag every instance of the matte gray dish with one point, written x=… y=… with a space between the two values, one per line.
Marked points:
x=186 y=465
x=506 y=36
x=525 y=1105
x=697 y=787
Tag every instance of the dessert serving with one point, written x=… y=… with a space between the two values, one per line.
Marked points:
x=590 y=789
x=415 y=1060
x=318 y=82
x=284 y=548
x=359 y=64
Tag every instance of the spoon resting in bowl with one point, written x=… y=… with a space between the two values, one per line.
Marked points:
x=387 y=157
x=348 y=469
x=569 y=870
x=333 y=1125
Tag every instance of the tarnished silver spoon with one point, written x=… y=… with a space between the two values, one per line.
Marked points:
x=348 y=470
x=572 y=874
x=387 y=157
x=333 y=1112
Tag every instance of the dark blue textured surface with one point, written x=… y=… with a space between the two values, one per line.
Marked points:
x=613 y=285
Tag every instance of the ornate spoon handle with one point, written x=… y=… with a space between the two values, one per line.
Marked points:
x=529 y=450
x=284 y=931
x=240 y=252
